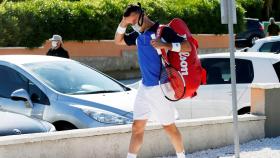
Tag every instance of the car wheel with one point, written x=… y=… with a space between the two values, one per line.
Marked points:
x=245 y=110
x=63 y=126
x=253 y=39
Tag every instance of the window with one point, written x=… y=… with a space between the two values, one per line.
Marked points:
x=73 y=78
x=277 y=69
x=11 y=80
x=36 y=95
x=252 y=24
x=244 y=71
x=218 y=70
x=275 y=47
x=270 y=47
x=266 y=47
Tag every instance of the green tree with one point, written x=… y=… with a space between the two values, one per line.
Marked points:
x=271 y=8
x=268 y=8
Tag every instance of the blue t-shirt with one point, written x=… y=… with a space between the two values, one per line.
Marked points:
x=149 y=61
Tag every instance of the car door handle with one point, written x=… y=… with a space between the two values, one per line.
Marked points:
x=229 y=93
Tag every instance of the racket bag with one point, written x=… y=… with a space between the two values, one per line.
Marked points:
x=187 y=63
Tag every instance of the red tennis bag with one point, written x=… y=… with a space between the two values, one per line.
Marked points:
x=187 y=63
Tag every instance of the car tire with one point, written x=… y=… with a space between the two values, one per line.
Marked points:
x=245 y=110
x=252 y=40
x=63 y=126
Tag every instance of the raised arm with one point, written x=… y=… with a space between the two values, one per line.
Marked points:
x=119 y=35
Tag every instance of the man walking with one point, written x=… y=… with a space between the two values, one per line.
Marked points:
x=150 y=101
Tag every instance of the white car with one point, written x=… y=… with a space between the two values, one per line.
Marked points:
x=268 y=44
x=214 y=98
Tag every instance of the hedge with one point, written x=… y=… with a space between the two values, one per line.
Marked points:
x=29 y=23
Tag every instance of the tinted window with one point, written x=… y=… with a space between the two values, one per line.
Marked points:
x=253 y=24
x=277 y=69
x=266 y=47
x=36 y=95
x=244 y=71
x=276 y=47
x=11 y=80
x=218 y=71
x=270 y=47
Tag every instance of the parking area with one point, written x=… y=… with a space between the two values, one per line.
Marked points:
x=262 y=148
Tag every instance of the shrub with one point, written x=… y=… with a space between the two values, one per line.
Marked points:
x=30 y=22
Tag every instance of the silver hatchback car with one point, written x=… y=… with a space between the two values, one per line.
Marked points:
x=64 y=92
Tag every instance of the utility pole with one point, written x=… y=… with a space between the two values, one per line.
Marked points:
x=228 y=15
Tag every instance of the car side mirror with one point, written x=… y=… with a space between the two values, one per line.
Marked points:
x=22 y=95
x=244 y=49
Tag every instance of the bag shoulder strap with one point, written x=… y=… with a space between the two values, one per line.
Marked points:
x=158 y=36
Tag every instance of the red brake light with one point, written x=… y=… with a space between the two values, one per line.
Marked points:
x=261 y=27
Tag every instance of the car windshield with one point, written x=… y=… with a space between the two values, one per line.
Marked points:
x=71 y=77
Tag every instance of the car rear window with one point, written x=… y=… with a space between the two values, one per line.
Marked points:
x=277 y=69
x=253 y=24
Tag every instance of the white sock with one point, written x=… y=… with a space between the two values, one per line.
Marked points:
x=130 y=155
x=181 y=155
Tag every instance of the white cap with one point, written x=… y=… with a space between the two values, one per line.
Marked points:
x=56 y=38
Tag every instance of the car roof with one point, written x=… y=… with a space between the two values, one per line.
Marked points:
x=252 y=19
x=269 y=39
x=244 y=55
x=26 y=59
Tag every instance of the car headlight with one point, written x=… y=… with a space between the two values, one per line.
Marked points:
x=107 y=117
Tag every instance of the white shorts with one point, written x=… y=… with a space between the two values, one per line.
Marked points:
x=150 y=104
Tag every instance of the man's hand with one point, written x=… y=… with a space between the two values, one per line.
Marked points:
x=124 y=22
x=156 y=43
